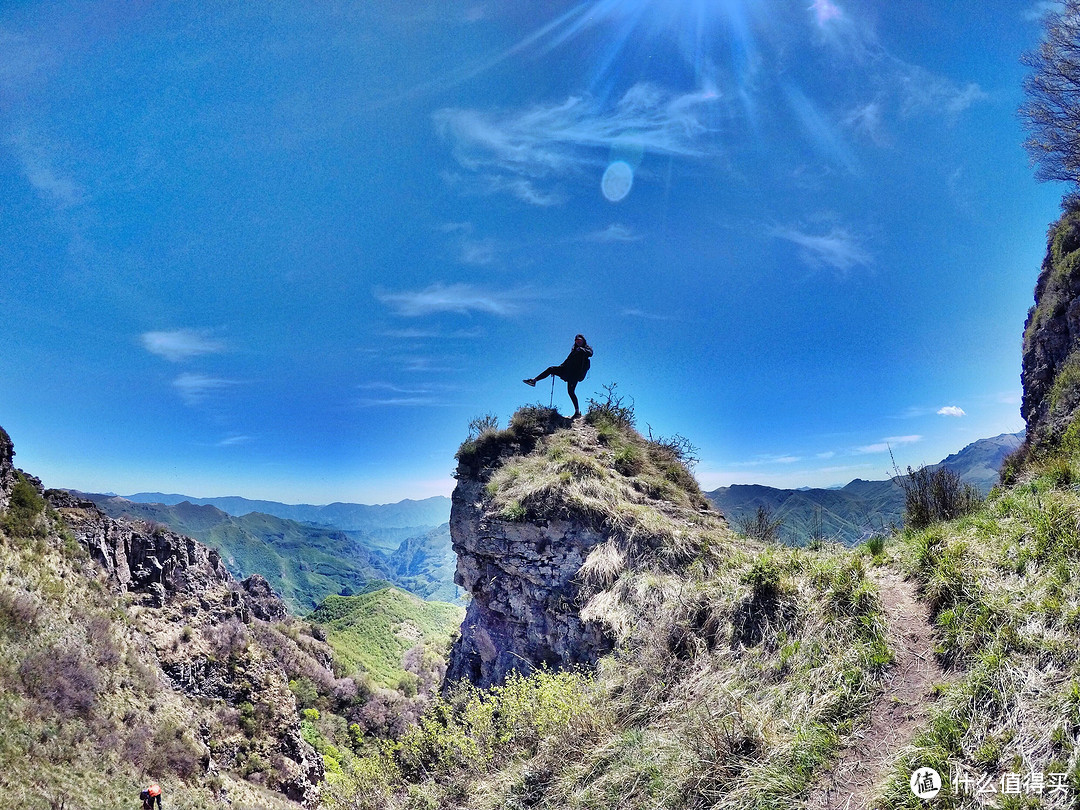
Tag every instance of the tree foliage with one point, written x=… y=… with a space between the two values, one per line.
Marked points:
x=1051 y=114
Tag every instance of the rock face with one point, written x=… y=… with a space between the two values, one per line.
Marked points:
x=141 y=558
x=7 y=469
x=1051 y=360
x=525 y=595
x=204 y=627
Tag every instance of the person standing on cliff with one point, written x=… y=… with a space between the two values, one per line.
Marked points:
x=572 y=370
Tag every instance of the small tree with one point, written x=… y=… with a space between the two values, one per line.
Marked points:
x=934 y=494
x=761 y=526
x=1051 y=114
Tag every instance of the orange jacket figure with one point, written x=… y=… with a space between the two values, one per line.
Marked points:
x=151 y=798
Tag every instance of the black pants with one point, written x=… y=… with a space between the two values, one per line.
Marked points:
x=571 y=385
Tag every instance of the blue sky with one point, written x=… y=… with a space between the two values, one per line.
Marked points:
x=288 y=250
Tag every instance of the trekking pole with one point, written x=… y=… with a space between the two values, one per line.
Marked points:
x=551 y=399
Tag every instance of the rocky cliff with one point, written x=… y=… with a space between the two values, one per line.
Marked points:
x=1051 y=348
x=7 y=469
x=127 y=609
x=526 y=597
x=545 y=516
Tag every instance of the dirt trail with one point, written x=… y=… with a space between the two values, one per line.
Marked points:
x=898 y=711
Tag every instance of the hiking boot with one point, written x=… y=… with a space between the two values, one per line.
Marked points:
x=530 y=382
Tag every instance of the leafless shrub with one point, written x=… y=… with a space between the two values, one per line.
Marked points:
x=228 y=639
x=100 y=638
x=344 y=692
x=387 y=713
x=935 y=494
x=62 y=678
x=175 y=752
x=294 y=659
x=762 y=525
x=677 y=446
x=138 y=744
x=479 y=425
x=19 y=612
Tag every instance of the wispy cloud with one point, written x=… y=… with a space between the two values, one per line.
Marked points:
x=615 y=232
x=923 y=91
x=825 y=11
x=463 y=299
x=768 y=458
x=432 y=334
x=1037 y=10
x=180 y=344
x=908 y=88
x=234 y=440
x=521 y=188
x=884 y=445
x=634 y=312
x=471 y=250
x=867 y=120
x=39 y=160
x=512 y=151
x=837 y=249
x=390 y=402
x=195 y=389
x=393 y=388
x=951 y=410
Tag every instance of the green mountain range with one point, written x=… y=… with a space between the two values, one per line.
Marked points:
x=346 y=516
x=305 y=563
x=854 y=512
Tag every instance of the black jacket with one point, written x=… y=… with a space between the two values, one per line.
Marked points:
x=576 y=365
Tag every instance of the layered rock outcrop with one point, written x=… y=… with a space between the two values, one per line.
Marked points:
x=1051 y=349
x=204 y=629
x=526 y=595
x=7 y=469
x=200 y=620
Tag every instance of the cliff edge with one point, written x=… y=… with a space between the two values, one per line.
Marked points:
x=1051 y=347
x=545 y=516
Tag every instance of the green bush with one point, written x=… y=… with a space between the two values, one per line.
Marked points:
x=474 y=730
x=931 y=496
x=765 y=576
x=628 y=460
x=25 y=510
x=485 y=442
x=463 y=737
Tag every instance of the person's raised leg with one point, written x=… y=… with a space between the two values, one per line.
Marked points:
x=547 y=372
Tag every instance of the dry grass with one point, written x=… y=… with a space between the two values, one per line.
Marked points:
x=1006 y=599
x=739 y=669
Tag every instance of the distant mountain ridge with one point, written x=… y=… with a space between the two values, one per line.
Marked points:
x=305 y=562
x=860 y=508
x=425 y=513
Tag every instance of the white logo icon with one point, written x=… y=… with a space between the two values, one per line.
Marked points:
x=926 y=783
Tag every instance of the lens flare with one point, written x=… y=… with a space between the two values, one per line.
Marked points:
x=616 y=182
